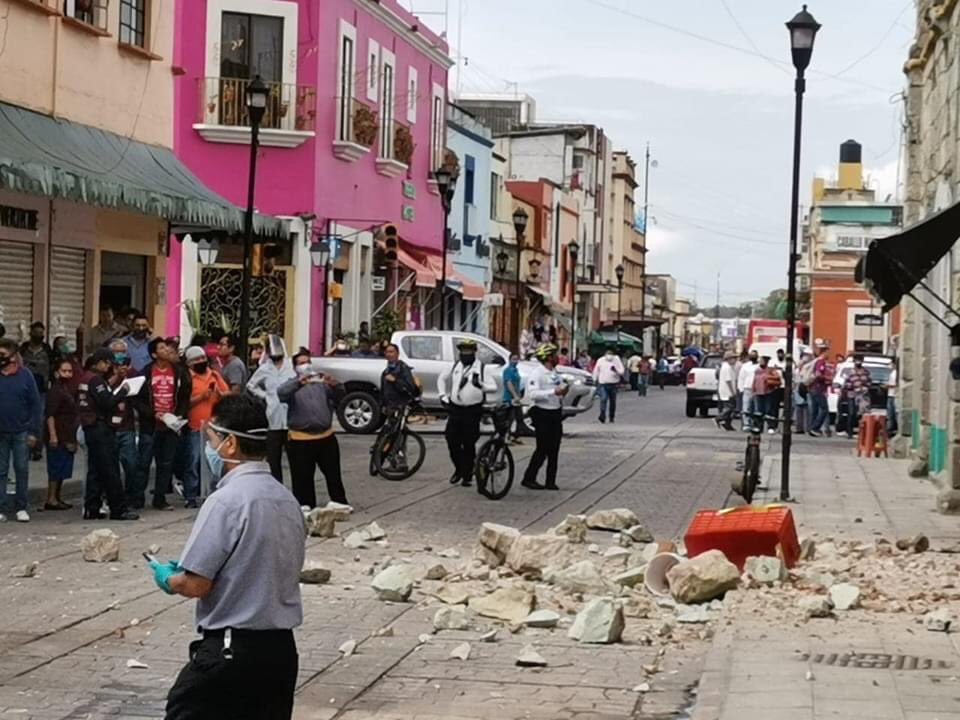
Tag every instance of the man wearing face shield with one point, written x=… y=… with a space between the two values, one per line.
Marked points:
x=242 y=562
x=275 y=369
x=463 y=390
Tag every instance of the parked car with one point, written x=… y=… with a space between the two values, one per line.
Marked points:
x=429 y=353
x=879 y=367
x=702 y=384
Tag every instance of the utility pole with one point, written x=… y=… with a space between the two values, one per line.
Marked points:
x=717 y=310
x=646 y=228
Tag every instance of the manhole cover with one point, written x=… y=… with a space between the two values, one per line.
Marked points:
x=875 y=661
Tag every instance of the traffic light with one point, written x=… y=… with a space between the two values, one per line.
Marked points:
x=391 y=242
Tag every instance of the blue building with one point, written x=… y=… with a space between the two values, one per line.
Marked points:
x=470 y=214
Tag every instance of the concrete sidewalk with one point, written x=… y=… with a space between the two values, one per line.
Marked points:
x=862 y=663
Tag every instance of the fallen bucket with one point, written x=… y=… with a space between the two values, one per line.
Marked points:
x=655 y=576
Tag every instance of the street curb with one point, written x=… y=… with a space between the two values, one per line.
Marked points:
x=715 y=678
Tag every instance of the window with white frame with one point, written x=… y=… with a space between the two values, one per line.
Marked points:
x=387 y=102
x=346 y=74
x=373 y=70
x=412 y=89
x=437 y=129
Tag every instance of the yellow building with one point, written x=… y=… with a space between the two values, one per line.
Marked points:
x=629 y=247
x=90 y=190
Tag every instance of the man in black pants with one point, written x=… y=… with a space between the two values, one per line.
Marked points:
x=97 y=405
x=546 y=389
x=463 y=391
x=242 y=563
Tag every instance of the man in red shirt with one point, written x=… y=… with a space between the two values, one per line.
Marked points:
x=166 y=390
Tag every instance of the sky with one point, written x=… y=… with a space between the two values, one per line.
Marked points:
x=709 y=84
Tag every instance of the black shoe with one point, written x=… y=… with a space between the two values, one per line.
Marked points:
x=93 y=515
x=125 y=515
x=602 y=419
x=191 y=505
x=532 y=485
x=466 y=482
x=160 y=503
x=454 y=479
x=612 y=419
x=728 y=427
x=548 y=486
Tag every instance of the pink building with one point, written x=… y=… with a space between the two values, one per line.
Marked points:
x=353 y=130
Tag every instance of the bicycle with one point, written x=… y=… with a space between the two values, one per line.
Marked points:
x=390 y=456
x=750 y=466
x=494 y=468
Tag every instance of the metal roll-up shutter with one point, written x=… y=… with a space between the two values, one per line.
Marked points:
x=16 y=288
x=68 y=290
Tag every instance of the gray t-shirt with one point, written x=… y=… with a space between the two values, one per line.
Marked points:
x=235 y=372
x=249 y=540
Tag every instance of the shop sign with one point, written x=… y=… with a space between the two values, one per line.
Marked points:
x=868 y=320
x=18 y=218
x=407 y=213
x=409 y=190
x=378 y=283
x=852 y=238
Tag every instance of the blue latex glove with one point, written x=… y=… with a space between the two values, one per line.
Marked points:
x=162 y=572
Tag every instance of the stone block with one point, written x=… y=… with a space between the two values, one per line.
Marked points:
x=702 y=578
x=600 y=621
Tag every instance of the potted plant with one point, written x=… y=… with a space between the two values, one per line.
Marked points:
x=366 y=124
x=403 y=144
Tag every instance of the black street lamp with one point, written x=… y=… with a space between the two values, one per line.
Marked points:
x=619 y=270
x=320 y=257
x=803 y=29
x=256 y=94
x=574 y=249
x=447 y=185
x=502 y=262
x=520 y=219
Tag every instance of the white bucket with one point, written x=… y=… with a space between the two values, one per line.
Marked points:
x=655 y=576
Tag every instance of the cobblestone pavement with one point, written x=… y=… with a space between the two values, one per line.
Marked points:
x=67 y=634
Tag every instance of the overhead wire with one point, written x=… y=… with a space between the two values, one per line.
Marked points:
x=749 y=39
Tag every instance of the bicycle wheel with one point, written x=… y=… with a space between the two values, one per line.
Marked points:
x=374 y=463
x=494 y=470
x=751 y=472
x=402 y=457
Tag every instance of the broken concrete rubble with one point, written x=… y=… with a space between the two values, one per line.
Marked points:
x=581 y=577
x=24 y=571
x=917 y=544
x=461 y=652
x=321 y=521
x=600 y=621
x=616 y=519
x=437 y=572
x=844 y=596
x=535 y=553
x=529 y=657
x=542 y=619
x=314 y=573
x=938 y=620
x=451 y=617
x=765 y=569
x=498 y=539
x=511 y=604
x=815 y=606
x=703 y=577
x=573 y=527
x=639 y=534
x=100 y=546
x=394 y=584
x=630 y=577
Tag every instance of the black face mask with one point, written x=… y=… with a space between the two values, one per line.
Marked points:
x=467 y=358
x=4 y=361
x=139 y=334
x=200 y=368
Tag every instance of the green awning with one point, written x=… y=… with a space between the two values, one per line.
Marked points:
x=620 y=340
x=43 y=155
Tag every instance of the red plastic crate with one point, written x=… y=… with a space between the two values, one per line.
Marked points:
x=744 y=531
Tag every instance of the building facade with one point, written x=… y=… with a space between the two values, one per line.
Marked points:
x=354 y=129
x=88 y=203
x=628 y=244
x=844 y=218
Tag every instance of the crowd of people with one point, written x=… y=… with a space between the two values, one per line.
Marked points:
x=140 y=406
x=751 y=386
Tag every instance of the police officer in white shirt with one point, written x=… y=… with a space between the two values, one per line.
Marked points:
x=463 y=390
x=546 y=389
x=242 y=562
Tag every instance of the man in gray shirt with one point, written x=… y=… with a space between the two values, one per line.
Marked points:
x=242 y=561
x=233 y=369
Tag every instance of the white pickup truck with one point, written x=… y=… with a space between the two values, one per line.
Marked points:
x=702 y=385
x=429 y=353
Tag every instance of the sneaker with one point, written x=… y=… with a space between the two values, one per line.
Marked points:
x=125 y=515
x=815 y=433
x=23 y=516
x=191 y=505
x=88 y=515
x=771 y=431
x=3 y=518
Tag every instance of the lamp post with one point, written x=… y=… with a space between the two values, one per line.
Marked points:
x=502 y=261
x=320 y=257
x=257 y=94
x=619 y=270
x=520 y=219
x=803 y=29
x=446 y=184
x=574 y=249
x=646 y=225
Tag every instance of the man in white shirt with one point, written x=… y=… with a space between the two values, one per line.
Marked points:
x=633 y=367
x=463 y=391
x=745 y=383
x=546 y=389
x=608 y=372
x=727 y=392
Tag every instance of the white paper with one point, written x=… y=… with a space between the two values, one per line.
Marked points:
x=133 y=385
x=173 y=422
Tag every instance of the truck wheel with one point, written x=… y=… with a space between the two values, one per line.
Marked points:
x=704 y=410
x=691 y=407
x=359 y=413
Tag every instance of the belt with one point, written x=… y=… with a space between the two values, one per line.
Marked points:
x=242 y=633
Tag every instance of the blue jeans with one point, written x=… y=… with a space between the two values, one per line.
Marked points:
x=892 y=426
x=642 y=385
x=820 y=412
x=130 y=464
x=193 y=448
x=13 y=446
x=608 y=396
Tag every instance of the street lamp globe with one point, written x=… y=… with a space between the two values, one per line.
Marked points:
x=208 y=250
x=619 y=270
x=574 y=249
x=520 y=219
x=320 y=253
x=502 y=260
x=534 y=270
x=444 y=177
x=257 y=93
x=803 y=29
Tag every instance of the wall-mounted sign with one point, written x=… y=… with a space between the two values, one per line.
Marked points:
x=865 y=319
x=407 y=213
x=853 y=238
x=493 y=300
x=378 y=283
x=18 y=218
x=409 y=190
